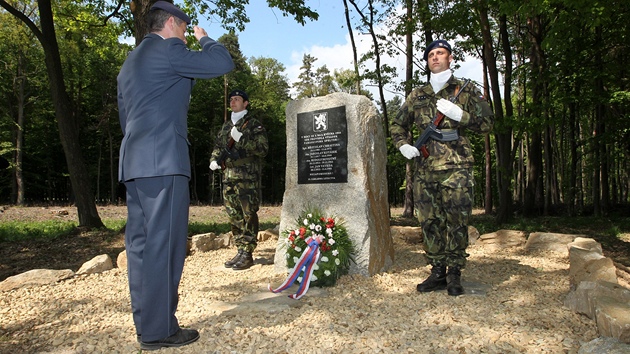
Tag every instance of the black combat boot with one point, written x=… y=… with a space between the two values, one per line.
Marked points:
x=453 y=285
x=245 y=262
x=435 y=281
x=233 y=261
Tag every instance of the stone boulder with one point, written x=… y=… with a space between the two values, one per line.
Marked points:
x=269 y=234
x=604 y=345
x=361 y=201
x=548 y=241
x=210 y=241
x=585 y=265
x=410 y=234
x=121 y=260
x=35 y=277
x=595 y=291
x=97 y=264
x=501 y=239
x=612 y=318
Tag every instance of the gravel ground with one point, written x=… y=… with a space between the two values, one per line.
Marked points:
x=521 y=312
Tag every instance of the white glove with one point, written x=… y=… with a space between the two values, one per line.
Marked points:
x=450 y=109
x=214 y=165
x=409 y=151
x=236 y=134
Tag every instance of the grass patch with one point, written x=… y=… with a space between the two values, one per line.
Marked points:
x=600 y=228
x=35 y=230
x=11 y=231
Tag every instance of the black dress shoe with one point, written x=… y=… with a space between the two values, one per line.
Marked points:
x=181 y=337
x=245 y=262
x=233 y=261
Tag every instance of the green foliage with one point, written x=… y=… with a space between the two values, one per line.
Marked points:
x=232 y=13
x=569 y=80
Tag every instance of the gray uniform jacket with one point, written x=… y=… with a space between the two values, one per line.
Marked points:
x=154 y=86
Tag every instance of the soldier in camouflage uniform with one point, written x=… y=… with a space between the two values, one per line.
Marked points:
x=443 y=181
x=241 y=175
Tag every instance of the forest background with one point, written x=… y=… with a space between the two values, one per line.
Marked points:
x=554 y=71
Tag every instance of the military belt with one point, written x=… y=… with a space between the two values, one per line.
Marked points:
x=240 y=162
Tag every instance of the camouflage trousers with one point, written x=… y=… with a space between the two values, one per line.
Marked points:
x=443 y=203
x=242 y=203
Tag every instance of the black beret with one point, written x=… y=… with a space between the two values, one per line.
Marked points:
x=435 y=44
x=239 y=93
x=172 y=9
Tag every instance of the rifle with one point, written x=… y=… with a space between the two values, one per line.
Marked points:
x=227 y=150
x=432 y=131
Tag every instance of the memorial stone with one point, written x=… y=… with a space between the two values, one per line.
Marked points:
x=337 y=162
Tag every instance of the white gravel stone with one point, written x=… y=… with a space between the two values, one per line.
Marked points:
x=521 y=310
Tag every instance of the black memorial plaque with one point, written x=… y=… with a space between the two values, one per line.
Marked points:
x=323 y=146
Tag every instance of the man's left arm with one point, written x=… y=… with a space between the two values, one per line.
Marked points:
x=476 y=115
x=254 y=141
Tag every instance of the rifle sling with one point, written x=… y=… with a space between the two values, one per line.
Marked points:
x=447 y=135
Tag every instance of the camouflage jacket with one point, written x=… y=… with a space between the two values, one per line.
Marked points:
x=420 y=108
x=245 y=160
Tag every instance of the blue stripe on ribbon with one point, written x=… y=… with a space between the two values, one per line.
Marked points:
x=305 y=265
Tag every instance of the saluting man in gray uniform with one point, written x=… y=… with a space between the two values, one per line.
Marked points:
x=154 y=87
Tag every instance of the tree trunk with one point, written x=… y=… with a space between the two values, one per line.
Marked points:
x=355 y=59
x=408 y=211
x=19 y=134
x=535 y=189
x=68 y=127
x=488 y=164
x=573 y=155
x=503 y=138
x=140 y=9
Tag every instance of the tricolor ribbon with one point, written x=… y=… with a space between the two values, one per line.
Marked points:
x=304 y=265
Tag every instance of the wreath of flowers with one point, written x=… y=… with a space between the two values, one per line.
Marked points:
x=336 y=248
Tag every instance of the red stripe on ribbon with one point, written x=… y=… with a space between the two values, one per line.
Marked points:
x=304 y=266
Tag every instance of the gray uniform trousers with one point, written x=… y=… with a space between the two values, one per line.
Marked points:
x=156 y=241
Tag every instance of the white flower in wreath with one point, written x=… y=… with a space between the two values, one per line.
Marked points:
x=335 y=253
x=309 y=215
x=337 y=261
x=295 y=259
x=299 y=279
x=315 y=266
x=324 y=259
x=311 y=226
x=313 y=278
x=331 y=241
x=327 y=273
x=329 y=231
x=298 y=249
x=305 y=221
x=318 y=228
